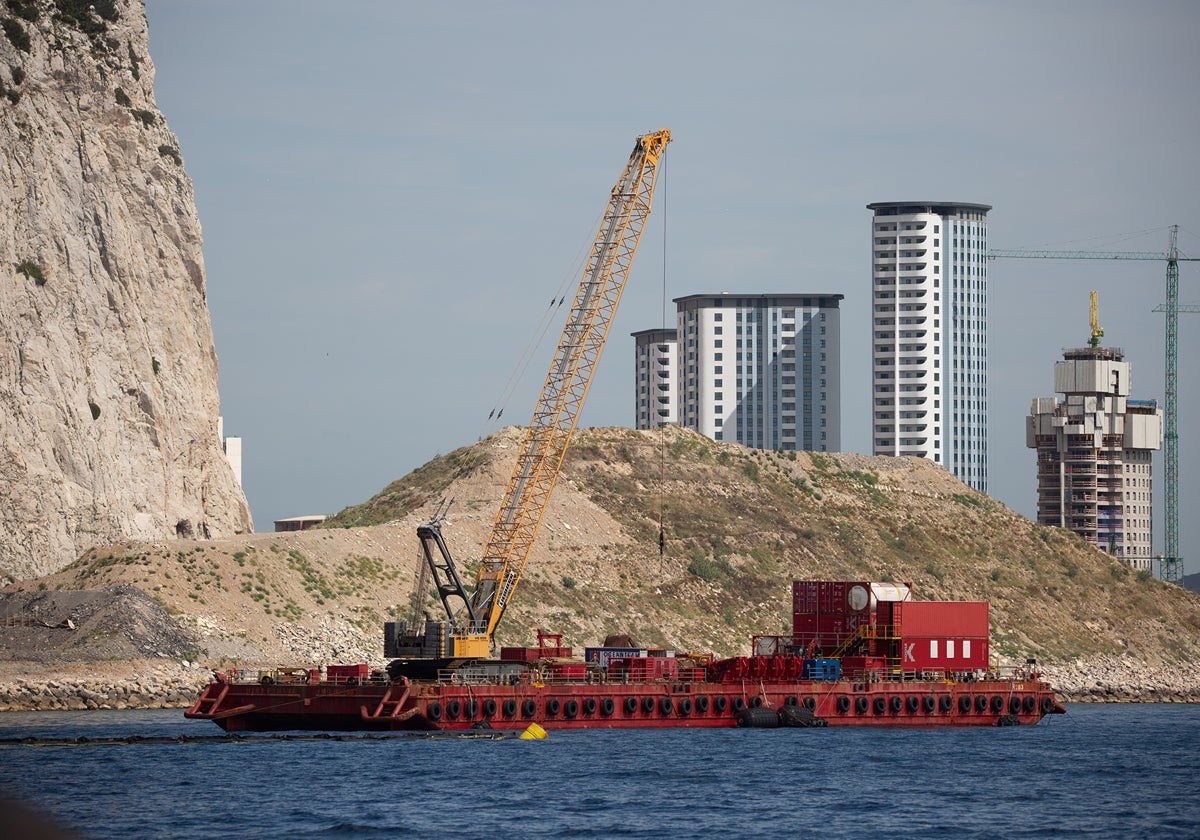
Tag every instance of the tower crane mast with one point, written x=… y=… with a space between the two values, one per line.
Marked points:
x=1172 y=560
x=473 y=616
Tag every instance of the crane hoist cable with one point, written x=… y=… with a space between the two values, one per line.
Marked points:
x=537 y=337
x=662 y=428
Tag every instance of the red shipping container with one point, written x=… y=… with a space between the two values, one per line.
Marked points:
x=804 y=597
x=827 y=612
x=520 y=654
x=829 y=596
x=945 y=619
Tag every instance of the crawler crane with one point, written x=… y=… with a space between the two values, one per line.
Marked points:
x=419 y=649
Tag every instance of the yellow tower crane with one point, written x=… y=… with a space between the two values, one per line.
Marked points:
x=467 y=634
x=1097 y=333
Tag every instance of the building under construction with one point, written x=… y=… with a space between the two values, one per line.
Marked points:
x=1094 y=453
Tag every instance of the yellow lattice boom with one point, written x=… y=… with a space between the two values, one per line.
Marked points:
x=565 y=388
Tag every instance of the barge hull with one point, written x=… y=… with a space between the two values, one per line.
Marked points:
x=434 y=706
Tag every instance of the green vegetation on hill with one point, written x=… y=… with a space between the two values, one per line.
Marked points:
x=737 y=527
x=405 y=495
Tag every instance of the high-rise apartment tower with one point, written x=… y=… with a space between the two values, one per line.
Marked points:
x=1093 y=454
x=654 y=359
x=761 y=370
x=929 y=334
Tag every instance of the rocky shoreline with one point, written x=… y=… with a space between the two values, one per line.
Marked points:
x=1121 y=680
x=175 y=685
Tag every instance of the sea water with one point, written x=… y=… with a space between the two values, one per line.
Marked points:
x=1121 y=771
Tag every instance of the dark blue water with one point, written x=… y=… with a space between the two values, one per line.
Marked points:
x=1100 y=771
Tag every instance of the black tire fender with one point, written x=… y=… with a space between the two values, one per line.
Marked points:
x=757 y=717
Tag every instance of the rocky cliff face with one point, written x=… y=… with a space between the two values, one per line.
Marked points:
x=108 y=374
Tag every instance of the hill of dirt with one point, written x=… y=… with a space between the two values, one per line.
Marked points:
x=87 y=625
x=738 y=525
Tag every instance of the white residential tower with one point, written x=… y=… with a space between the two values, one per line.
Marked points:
x=654 y=356
x=763 y=370
x=929 y=334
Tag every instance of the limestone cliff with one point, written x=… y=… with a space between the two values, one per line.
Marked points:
x=108 y=374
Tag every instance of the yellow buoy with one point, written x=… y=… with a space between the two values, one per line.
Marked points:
x=533 y=732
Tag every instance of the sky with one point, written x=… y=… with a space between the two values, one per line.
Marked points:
x=391 y=193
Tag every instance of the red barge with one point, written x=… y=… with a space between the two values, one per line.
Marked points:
x=849 y=662
x=860 y=653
